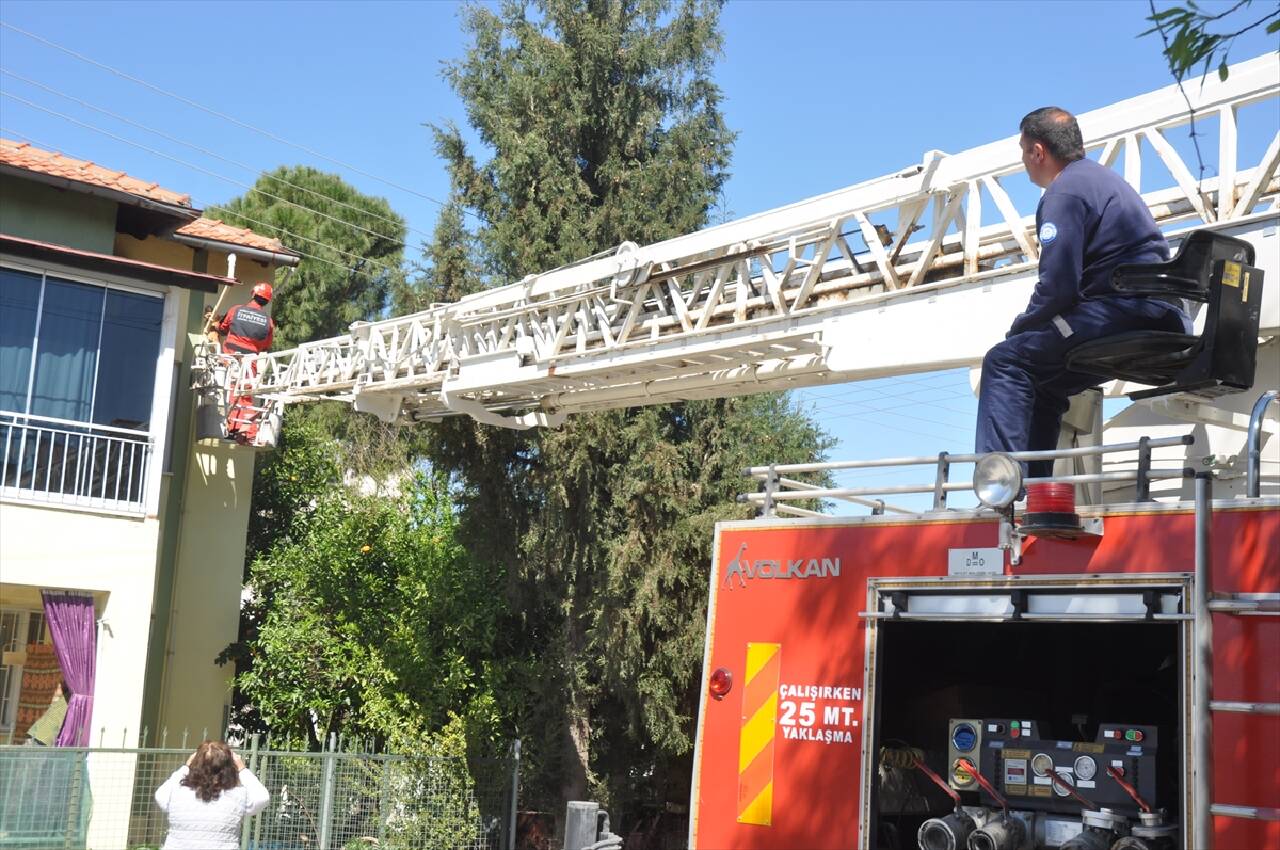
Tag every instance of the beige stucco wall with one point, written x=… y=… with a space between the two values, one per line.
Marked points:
x=161 y=252
x=209 y=572
x=32 y=210
x=112 y=556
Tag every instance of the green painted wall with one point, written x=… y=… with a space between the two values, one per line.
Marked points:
x=31 y=210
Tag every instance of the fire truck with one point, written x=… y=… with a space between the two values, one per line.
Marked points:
x=1013 y=676
x=1091 y=666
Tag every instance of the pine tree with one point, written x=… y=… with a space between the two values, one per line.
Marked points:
x=353 y=247
x=604 y=126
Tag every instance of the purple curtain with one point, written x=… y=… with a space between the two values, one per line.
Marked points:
x=75 y=641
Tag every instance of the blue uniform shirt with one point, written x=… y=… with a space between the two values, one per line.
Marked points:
x=1089 y=221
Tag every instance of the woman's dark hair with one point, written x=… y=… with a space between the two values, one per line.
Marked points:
x=1057 y=130
x=212 y=771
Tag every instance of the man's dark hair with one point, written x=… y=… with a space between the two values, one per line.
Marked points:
x=1057 y=130
x=260 y=301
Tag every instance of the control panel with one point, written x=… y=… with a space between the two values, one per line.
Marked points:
x=1021 y=761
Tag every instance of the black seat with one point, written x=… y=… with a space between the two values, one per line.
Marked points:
x=1210 y=268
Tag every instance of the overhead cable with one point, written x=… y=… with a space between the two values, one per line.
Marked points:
x=291 y=235
x=344 y=267
x=199 y=168
x=222 y=115
x=206 y=151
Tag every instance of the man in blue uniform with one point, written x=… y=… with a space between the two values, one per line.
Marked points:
x=1089 y=221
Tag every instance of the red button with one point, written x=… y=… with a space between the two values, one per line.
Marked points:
x=1013 y=733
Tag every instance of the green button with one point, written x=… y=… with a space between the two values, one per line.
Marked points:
x=1013 y=725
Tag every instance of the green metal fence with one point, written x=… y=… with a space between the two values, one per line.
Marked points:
x=102 y=799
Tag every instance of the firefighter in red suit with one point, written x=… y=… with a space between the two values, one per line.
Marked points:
x=246 y=329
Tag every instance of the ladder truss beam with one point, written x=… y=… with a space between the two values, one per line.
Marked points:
x=780 y=299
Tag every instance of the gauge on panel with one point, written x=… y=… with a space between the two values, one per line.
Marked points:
x=1063 y=788
x=1086 y=768
x=1042 y=764
x=964 y=737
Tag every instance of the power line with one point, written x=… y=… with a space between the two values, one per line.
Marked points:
x=344 y=267
x=291 y=235
x=188 y=101
x=199 y=168
x=205 y=151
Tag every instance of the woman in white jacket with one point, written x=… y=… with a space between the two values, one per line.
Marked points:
x=208 y=797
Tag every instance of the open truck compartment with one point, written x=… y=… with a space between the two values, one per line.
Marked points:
x=1019 y=700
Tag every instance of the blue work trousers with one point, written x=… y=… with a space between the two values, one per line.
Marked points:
x=1026 y=386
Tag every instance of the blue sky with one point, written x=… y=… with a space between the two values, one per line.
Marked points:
x=822 y=95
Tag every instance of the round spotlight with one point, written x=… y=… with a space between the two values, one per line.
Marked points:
x=997 y=478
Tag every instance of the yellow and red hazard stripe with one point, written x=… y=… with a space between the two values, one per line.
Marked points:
x=756 y=738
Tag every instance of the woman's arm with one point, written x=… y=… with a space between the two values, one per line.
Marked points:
x=165 y=791
x=256 y=794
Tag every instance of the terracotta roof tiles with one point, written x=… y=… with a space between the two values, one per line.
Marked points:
x=218 y=231
x=23 y=155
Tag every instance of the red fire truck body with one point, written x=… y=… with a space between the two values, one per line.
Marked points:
x=841 y=641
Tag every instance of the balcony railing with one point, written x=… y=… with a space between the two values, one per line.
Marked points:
x=75 y=464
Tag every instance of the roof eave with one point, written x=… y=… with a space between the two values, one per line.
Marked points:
x=90 y=261
x=184 y=214
x=259 y=254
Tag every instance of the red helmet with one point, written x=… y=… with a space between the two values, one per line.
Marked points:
x=263 y=291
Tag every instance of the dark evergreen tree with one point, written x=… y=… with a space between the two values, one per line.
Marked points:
x=355 y=242
x=604 y=126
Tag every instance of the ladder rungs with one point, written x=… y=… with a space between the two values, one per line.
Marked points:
x=1246 y=603
x=1247 y=812
x=1246 y=707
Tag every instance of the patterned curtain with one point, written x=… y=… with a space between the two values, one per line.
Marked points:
x=40 y=675
x=73 y=627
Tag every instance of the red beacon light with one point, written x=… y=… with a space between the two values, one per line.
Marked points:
x=1051 y=510
x=720 y=684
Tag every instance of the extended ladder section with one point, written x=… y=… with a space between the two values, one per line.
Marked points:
x=917 y=270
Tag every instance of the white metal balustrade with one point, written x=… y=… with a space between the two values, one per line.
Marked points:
x=75 y=464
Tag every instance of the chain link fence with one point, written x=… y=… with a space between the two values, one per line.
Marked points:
x=102 y=799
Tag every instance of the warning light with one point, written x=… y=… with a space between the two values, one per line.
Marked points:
x=721 y=683
x=1134 y=735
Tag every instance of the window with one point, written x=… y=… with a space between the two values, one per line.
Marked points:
x=77 y=351
x=18 y=628
x=77 y=384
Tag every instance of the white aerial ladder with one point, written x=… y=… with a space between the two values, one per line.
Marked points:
x=784 y=299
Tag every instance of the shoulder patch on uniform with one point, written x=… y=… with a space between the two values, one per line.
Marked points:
x=1048 y=232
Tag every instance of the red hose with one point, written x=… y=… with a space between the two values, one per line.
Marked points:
x=1117 y=774
x=982 y=780
x=1058 y=780
x=938 y=780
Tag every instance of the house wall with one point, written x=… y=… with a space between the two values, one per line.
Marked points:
x=161 y=252
x=208 y=572
x=205 y=516
x=114 y=558
x=35 y=211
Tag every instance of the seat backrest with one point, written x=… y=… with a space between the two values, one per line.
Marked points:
x=1229 y=345
x=1189 y=273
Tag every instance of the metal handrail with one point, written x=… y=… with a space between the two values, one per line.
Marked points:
x=74 y=423
x=778 y=488
x=79 y=464
x=1253 y=487
x=1051 y=454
